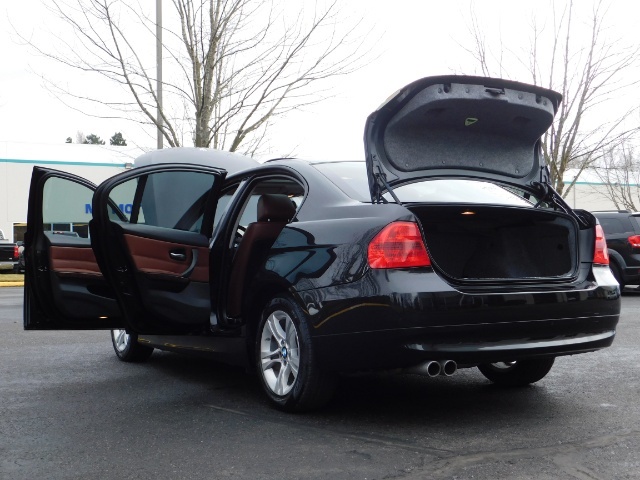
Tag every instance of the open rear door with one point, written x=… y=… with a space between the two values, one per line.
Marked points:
x=157 y=258
x=134 y=254
x=64 y=288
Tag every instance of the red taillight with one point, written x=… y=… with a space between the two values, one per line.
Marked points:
x=634 y=240
x=16 y=252
x=398 y=245
x=601 y=254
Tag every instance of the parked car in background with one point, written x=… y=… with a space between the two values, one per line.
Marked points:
x=9 y=254
x=20 y=265
x=447 y=248
x=622 y=231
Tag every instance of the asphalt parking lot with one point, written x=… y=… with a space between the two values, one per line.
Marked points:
x=70 y=410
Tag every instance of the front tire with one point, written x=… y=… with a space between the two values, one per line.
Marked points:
x=127 y=347
x=286 y=360
x=518 y=373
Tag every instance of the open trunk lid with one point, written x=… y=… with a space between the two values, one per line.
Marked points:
x=460 y=126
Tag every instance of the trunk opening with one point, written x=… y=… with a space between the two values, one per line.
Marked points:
x=496 y=243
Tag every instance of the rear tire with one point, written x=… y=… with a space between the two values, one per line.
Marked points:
x=518 y=373
x=127 y=347
x=286 y=360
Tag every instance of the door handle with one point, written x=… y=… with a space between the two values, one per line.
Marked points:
x=178 y=256
x=194 y=260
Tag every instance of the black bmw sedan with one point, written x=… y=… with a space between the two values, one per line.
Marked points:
x=446 y=248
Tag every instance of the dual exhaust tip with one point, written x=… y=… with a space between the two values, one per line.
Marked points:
x=432 y=368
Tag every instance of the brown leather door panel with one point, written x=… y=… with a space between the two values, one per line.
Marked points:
x=73 y=261
x=152 y=257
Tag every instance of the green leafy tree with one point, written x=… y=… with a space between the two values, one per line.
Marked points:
x=93 y=139
x=117 y=140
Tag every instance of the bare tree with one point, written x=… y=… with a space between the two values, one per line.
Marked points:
x=588 y=68
x=230 y=66
x=619 y=172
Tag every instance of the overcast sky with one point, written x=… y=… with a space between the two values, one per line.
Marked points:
x=418 y=38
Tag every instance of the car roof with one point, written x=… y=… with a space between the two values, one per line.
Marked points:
x=310 y=162
x=229 y=161
x=614 y=213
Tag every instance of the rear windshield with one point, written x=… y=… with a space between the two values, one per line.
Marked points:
x=351 y=178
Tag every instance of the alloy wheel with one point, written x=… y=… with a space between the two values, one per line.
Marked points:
x=279 y=353
x=121 y=340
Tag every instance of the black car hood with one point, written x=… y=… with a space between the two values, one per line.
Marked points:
x=459 y=126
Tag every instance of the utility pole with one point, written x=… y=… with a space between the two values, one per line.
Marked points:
x=159 y=69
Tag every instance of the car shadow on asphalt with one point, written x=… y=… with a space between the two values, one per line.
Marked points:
x=394 y=397
x=466 y=394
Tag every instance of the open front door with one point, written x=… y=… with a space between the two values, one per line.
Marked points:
x=157 y=258
x=64 y=288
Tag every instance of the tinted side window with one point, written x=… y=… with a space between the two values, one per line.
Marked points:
x=66 y=208
x=616 y=225
x=169 y=196
x=165 y=199
x=223 y=203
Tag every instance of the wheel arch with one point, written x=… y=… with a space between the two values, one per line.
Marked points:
x=262 y=291
x=617 y=258
x=617 y=266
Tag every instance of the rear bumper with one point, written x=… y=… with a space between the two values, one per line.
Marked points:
x=466 y=345
x=399 y=327
x=519 y=348
x=8 y=265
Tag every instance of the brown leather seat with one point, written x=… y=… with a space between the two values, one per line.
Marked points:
x=274 y=212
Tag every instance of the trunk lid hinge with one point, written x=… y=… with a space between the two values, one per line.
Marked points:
x=545 y=175
x=548 y=194
x=382 y=184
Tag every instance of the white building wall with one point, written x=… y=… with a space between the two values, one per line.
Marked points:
x=587 y=196
x=5 y=213
x=95 y=163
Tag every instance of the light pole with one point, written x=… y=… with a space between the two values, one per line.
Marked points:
x=159 y=69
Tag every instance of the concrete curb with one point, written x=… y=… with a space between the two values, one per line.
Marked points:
x=11 y=284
